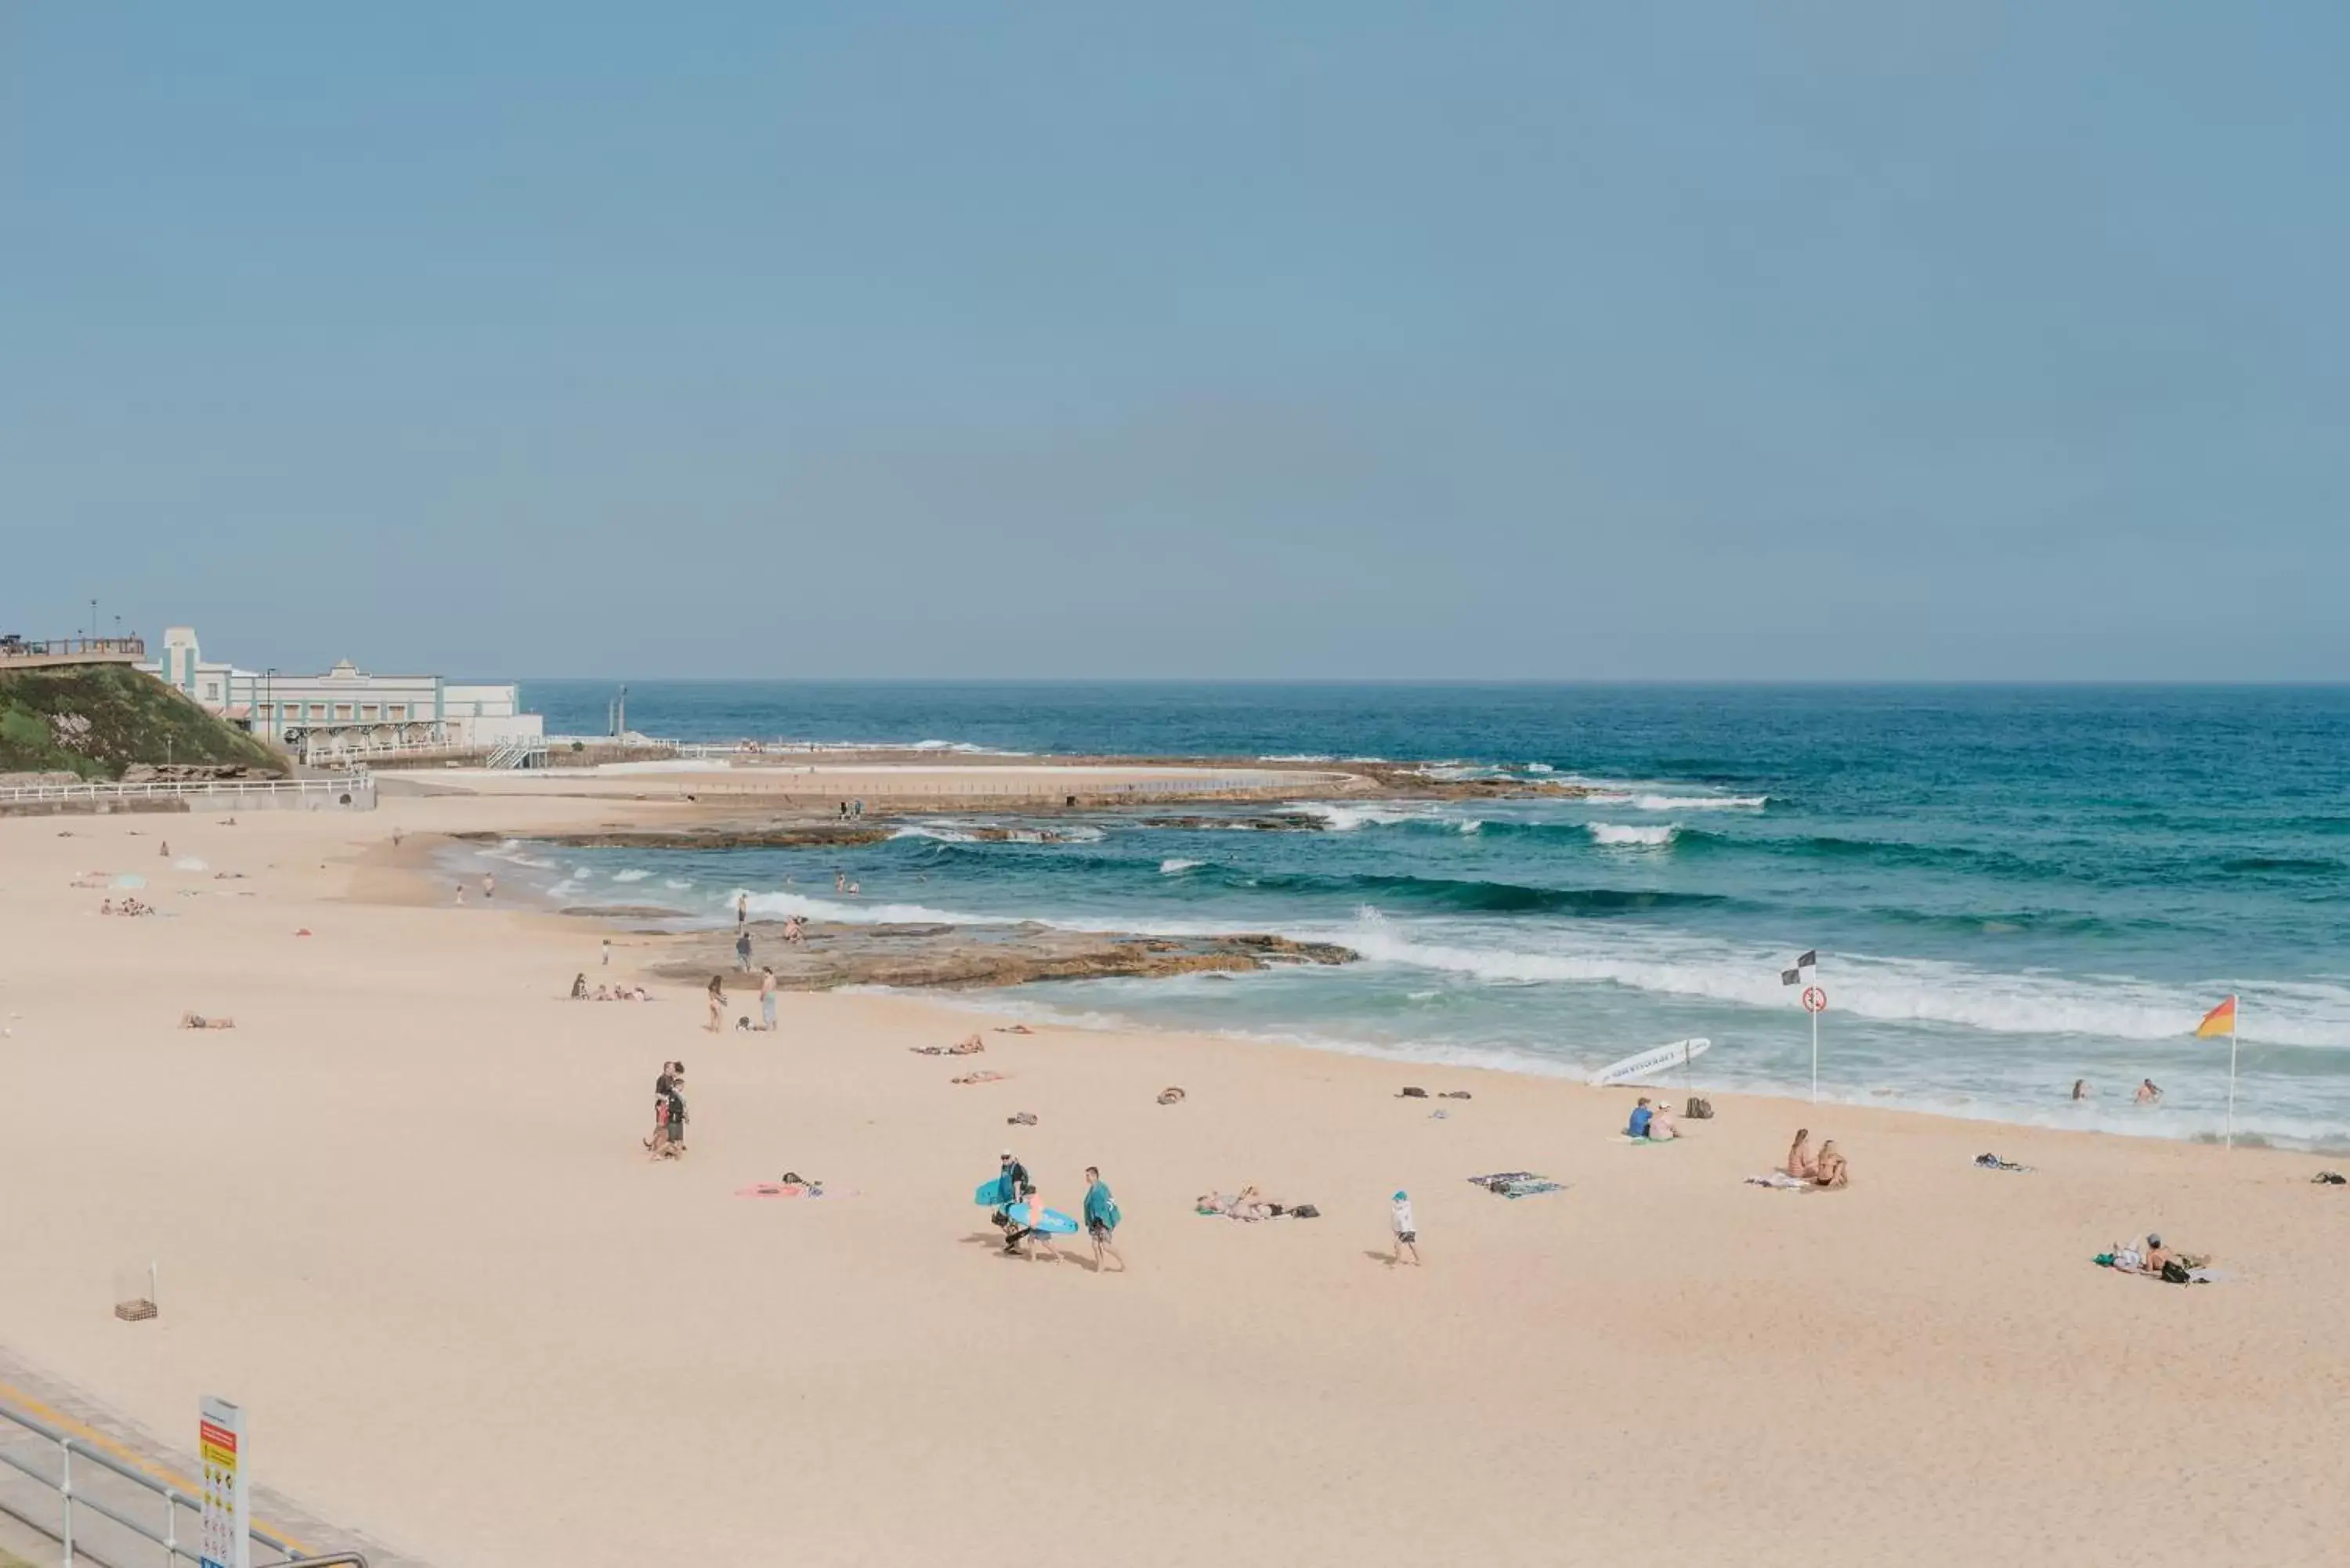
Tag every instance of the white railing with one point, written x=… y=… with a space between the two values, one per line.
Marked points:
x=517 y=752
x=357 y=792
x=100 y=1499
x=322 y=749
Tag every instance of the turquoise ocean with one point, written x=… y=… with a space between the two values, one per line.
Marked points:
x=2009 y=887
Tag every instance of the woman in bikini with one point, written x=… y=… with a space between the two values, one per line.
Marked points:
x=1832 y=1172
x=1799 y=1158
x=717 y=1003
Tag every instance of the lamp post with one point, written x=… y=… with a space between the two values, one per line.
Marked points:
x=269 y=702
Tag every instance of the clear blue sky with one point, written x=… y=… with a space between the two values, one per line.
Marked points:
x=1821 y=338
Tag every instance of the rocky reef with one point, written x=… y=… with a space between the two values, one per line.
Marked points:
x=975 y=956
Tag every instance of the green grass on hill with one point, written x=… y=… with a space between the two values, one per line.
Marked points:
x=96 y=719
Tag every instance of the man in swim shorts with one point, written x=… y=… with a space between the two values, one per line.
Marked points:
x=1101 y=1219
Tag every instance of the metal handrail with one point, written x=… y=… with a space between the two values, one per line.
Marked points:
x=71 y=1449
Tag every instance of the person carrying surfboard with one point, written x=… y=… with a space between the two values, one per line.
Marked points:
x=1011 y=1175
x=1037 y=1226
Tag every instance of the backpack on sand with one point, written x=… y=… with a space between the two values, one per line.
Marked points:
x=1699 y=1110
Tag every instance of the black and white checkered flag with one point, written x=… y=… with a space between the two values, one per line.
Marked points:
x=1797 y=976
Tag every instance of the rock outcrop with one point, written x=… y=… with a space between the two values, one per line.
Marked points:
x=977 y=956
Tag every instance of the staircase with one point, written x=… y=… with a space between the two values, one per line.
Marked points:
x=519 y=752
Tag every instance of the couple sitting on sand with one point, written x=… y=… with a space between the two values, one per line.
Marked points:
x=1654 y=1122
x=1826 y=1168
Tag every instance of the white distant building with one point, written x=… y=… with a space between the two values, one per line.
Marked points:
x=346 y=703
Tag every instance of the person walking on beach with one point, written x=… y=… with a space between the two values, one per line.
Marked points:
x=1407 y=1229
x=717 y=1003
x=677 y=1118
x=742 y=948
x=658 y=1143
x=767 y=999
x=742 y=909
x=489 y=884
x=607 y=952
x=1011 y=1175
x=461 y=895
x=1101 y=1219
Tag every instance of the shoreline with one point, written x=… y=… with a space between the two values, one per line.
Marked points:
x=1005 y=1001
x=401 y=1214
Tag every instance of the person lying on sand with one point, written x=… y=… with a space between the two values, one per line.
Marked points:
x=971 y=1046
x=198 y=1021
x=1800 y=1163
x=1833 y=1171
x=982 y=1076
x=1248 y=1203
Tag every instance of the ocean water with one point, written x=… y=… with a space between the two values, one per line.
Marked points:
x=2010 y=888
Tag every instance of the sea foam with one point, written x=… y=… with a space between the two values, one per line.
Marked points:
x=1617 y=837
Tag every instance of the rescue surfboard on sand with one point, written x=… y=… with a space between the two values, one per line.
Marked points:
x=1679 y=1053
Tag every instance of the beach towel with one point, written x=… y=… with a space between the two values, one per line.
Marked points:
x=1781 y=1181
x=2179 y=1273
x=1517 y=1184
x=790 y=1189
x=1645 y=1142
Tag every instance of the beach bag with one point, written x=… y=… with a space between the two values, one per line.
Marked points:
x=1699 y=1110
x=2176 y=1273
x=1305 y=1212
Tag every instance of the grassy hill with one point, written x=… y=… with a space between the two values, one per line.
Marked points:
x=97 y=719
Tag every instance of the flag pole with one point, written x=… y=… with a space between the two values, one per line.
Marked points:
x=1815 y=1058
x=2235 y=1021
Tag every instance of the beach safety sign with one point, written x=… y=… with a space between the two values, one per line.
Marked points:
x=1814 y=999
x=225 y=1540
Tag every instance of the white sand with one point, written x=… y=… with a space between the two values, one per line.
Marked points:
x=400 y=1213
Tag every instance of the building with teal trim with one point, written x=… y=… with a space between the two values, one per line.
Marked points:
x=346 y=703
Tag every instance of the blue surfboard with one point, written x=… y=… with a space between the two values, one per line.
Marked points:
x=995 y=1193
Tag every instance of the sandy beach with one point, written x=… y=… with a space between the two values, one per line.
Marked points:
x=400 y=1213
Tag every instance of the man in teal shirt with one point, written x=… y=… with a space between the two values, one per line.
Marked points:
x=1101 y=1219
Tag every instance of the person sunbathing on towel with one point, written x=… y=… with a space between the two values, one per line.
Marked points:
x=1800 y=1163
x=1831 y=1169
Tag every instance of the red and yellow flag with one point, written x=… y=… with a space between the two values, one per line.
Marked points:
x=2221 y=1020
